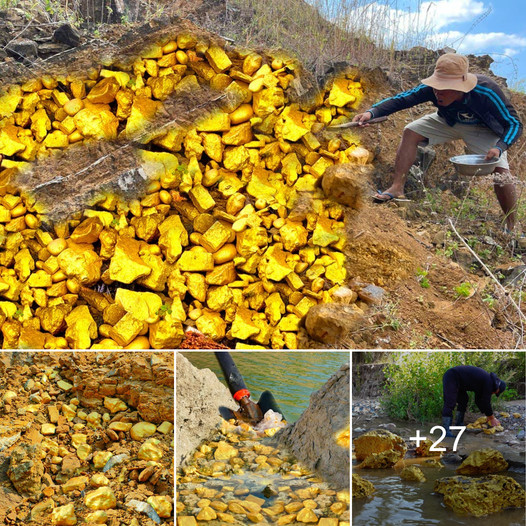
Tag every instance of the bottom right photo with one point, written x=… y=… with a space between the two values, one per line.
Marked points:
x=438 y=437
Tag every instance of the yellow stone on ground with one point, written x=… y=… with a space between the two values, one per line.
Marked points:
x=306 y=515
x=114 y=404
x=206 y=514
x=75 y=483
x=225 y=451
x=120 y=426
x=165 y=428
x=325 y=521
x=186 y=520
x=100 y=458
x=161 y=504
x=150 y=450
x=101 y=499
x=142 y=430
x=47 y=429
x=98 y=480
x=286 y=519
x=64 y=516
x=218 y=59
x=97 y=517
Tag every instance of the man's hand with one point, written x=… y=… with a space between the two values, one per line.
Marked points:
x=494 y=152
x=492 y=421
x=362 y=118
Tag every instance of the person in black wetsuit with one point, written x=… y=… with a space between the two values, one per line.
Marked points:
x=457 y=381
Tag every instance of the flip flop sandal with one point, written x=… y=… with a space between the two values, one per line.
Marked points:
x=380 y=201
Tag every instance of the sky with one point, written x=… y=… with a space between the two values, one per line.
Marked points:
x=496 y=28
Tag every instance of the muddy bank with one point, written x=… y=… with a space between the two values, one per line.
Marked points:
x=312 y=437
x=199 y=396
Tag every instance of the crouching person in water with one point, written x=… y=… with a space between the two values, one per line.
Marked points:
x=457 y=381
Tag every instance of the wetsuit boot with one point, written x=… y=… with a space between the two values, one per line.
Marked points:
x=459 y=418
x=446 y=422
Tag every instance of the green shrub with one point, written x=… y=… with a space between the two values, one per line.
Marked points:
x=414 y=381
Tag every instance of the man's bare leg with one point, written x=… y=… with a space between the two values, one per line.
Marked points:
x=507 y=197
x=405 y=157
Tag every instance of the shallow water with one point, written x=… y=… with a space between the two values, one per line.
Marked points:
x=291 y=376
x=397 y=502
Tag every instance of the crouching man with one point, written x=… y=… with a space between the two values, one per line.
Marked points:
x=457 y=381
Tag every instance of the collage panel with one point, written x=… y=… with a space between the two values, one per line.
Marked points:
x=438 y=437
x=86 y=438
x=262 y=438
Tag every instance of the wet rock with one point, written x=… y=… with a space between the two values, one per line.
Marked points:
x=423 y=449
x=413 y=473
x=312 y=439
x=480 y=496
x=361 y=488
x=379 y=448
x=331 y=322
x=482 y=462
x=26 y=470
x=197 y=415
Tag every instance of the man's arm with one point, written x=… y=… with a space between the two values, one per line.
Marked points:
x=402 y=101
x=502 y=110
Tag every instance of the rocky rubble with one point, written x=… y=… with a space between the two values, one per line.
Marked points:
x=233 y=234
x=237 y=478
x=480 y=496
x=71 y=462
x=361 y=488
x=313 y=439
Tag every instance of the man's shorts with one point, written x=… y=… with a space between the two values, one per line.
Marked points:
x=478 y=139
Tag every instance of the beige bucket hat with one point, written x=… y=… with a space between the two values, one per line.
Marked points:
x=451 y=72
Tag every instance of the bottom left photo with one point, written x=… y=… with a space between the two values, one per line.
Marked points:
x=86 y=437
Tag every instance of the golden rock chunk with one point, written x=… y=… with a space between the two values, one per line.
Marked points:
x=186 y=520
x=216 y=122
x=120 y=76
x=104 y=91
x=88 y=231
x=97 y=124
x=142 y=111
x=10 y=144
x=243 y=327
x=81 y=328
x=197 y=259
x=40 y=124
x=80 y=263
x=211 y=324
x=173 y=237
x=306 y=515
x=325 y=521
x=274 y=264
x=150 y=450
x=126 y=329
x=340 y=95
x=73 y=106
x=142 y=430
x=144 y=306
x=213 y=146
x=64 y=516
x=286 y=519
x=201 y=198
x=126 y=266
x=167 y=333
x=10 y=100
x=120 y=426
x=235 y=158
x=215 y=237
x=97 y=517
x=75 y=483
x=114 y=404
x=218 y=59
x=161 y=504
x=98 y=480
x=100 y=458
x=101 y=499
x=197 y=286
x=238 y=135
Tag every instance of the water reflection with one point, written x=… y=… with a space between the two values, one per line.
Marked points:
x=291 y=376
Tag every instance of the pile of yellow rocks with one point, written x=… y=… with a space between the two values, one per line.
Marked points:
x=234 y=235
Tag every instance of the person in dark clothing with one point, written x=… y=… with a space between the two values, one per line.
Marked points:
x=457 y=381
x=470 y=107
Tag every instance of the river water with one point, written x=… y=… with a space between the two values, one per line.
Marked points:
x=291 y=376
